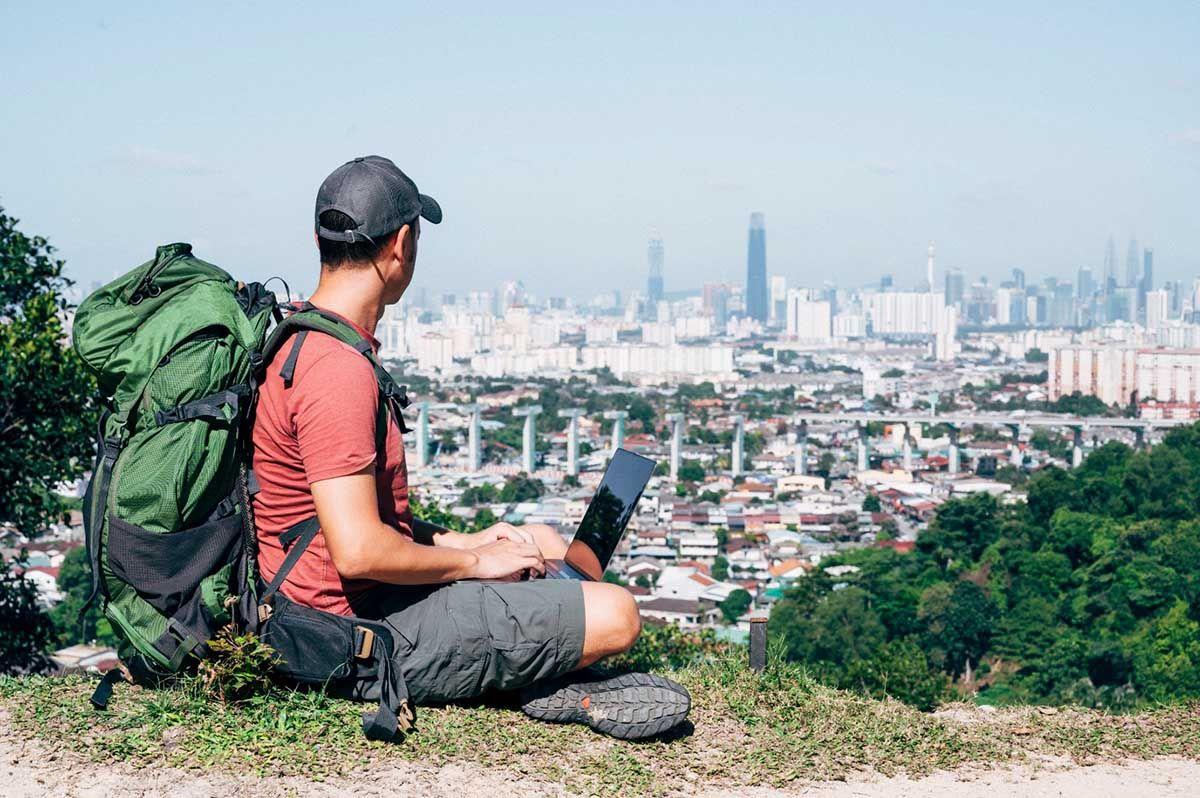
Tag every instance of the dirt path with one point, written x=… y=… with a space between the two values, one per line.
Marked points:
x=27 y=770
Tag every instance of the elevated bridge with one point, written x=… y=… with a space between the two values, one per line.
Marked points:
x=956 y=421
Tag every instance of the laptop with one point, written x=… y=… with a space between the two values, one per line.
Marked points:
x=604 y=523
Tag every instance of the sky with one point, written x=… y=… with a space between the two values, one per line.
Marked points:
x=557 y=136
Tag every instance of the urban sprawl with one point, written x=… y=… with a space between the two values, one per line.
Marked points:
x=789 y=423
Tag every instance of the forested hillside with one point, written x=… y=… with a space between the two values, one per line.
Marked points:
x=1087 y=592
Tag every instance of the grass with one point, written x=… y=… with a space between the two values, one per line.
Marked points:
x=773 y=729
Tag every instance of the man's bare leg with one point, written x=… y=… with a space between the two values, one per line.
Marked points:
x=627 y=705
x=551 y=544
x=612 y=622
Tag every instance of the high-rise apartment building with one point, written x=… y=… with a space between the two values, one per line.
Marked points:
x=756 y=269
x=1004 y=304
x=778 y=300
x=1106 y=372
x=716 y=303
x=808 y=320
x=1158 y=308
x=955 y=287
x=1168 y=375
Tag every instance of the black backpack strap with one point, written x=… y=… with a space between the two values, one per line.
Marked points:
x=306 y=318
x=104 y=690
x=395 y=713
x=297 y=539
x=227 y=405
x=107 y=449
x=288 y=372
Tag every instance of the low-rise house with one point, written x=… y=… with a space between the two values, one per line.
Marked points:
x=685 y=613
x=699 y=545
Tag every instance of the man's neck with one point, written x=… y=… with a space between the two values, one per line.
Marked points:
x=349 y=301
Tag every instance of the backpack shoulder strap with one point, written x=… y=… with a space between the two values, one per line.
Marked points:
x=308 y=318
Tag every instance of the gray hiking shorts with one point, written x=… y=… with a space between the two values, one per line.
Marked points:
x=464 y=639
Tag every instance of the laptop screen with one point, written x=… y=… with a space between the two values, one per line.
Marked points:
x=603 y=524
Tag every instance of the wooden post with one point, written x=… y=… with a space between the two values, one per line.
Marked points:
x=758 y=644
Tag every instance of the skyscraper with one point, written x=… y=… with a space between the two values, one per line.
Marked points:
x=1146 y=283
x=1133 y=266
x=954 y=287
x=1086 y=283
x=654 y=282
x=1110 y=267
x=1019 y=278
x=756 y=270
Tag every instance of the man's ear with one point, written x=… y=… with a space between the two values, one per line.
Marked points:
x=404 y=240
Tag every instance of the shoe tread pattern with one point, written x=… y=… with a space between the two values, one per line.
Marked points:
x=630 y=706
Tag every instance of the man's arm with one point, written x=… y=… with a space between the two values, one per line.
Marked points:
x=363 y=547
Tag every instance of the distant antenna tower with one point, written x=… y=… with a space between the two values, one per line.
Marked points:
x=929 y=268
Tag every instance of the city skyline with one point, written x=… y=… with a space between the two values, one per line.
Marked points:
x=861 y=136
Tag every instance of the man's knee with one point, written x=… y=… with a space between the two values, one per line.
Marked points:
x=548 y=541
x=613 y=615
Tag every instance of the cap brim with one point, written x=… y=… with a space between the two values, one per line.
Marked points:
x=430 y=210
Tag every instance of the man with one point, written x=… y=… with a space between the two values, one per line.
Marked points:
x=316 y=452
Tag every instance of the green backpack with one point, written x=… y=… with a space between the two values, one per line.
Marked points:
x=178 y=347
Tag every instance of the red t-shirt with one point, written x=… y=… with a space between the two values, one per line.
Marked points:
x=323 y=426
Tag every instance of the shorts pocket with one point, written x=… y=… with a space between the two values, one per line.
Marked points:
x=166 y=568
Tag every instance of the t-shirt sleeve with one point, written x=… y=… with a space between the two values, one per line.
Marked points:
x=334 y=407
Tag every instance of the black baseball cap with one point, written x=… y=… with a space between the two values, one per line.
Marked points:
x=374 y=193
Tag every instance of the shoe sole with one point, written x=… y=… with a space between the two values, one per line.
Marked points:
x=632 y=706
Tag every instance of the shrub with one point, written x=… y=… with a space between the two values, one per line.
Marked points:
x=238 y=667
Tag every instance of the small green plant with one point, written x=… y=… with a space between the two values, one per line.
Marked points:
x=667 y=647
x=238 y=667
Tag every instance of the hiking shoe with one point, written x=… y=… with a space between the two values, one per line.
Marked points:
x=630 y=706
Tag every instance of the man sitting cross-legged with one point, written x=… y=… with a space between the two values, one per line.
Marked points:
x=459 y=630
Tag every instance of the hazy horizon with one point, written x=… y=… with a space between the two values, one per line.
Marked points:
x=557 y=137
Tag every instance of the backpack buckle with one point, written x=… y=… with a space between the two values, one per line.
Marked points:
x=264 y=613
x=365 y=642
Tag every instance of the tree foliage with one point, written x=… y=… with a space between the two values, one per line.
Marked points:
x=1087 y=593
x=736 y=605
x=47 y=411
x=521 y=488
x=25 y=629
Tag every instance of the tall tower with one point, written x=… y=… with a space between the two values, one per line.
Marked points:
x=1110 y=267
x=756 y=270
x=654 y=257
x=929 y=269
x=1133 y=265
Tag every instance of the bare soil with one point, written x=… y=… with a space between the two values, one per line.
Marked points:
x=30 y=770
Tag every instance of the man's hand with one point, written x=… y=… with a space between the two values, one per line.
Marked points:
x=507 y=559
x=495 y=532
